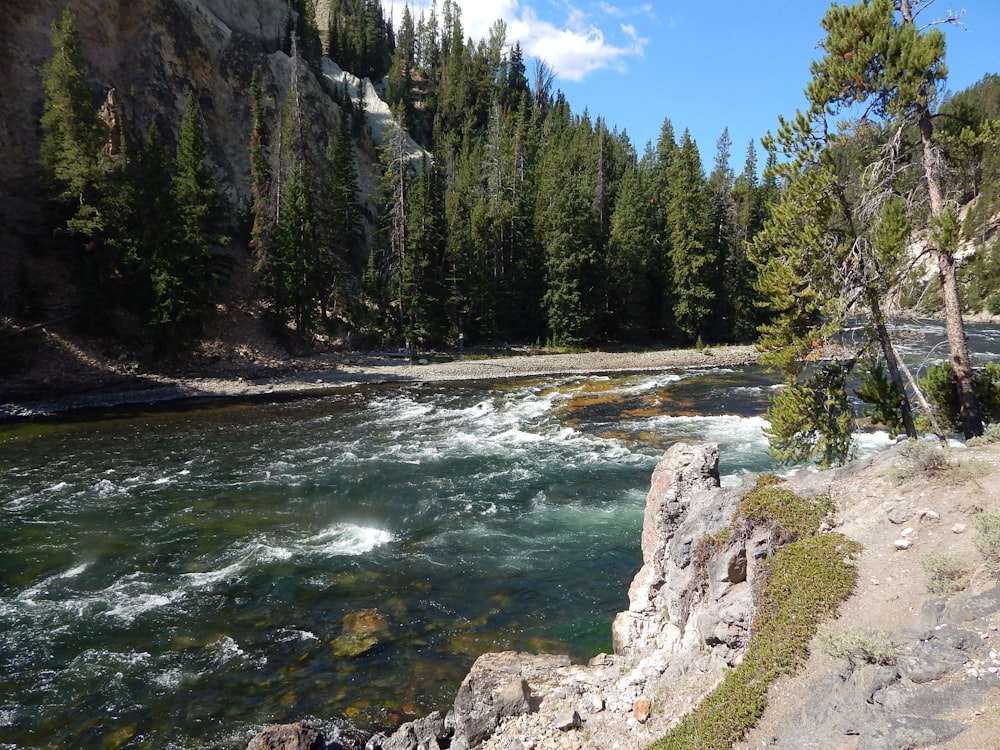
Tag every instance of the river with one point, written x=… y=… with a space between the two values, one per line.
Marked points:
x=178 y=577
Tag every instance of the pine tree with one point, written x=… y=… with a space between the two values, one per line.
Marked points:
x=722 y=242
x=693 y=264
x=297 y=241
x=632 y=263
x=895 y=68
x=184 y=284
x=72 y=136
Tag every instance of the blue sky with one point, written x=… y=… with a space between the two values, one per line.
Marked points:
x=706 y=64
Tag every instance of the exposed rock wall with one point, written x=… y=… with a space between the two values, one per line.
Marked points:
x=155 y=54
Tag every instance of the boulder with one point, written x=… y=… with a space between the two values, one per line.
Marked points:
x=422 y=734
x=496 y=686
x=685 y=505
x=288 y=737
x=363 y=630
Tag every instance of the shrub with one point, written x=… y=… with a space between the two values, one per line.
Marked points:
x=797 y=516
x=859 y=645
x=991 y=434
x=942 y=392
x=993 y=304
x=946 y=573
x=988 y=541
x=922 y=458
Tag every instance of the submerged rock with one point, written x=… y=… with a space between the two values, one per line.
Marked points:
x=363 y=631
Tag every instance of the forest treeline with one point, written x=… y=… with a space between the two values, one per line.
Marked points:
x=521 y=220
x=525 y=222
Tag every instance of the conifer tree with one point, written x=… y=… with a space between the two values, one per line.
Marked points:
x=632 y=265
x=895 y=68
x=72 y=136
x=183 y=285
x=721 y=240
x=693 y=264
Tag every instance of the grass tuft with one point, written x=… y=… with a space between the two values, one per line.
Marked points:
x=859 y=645
x=987 y=542
x=946 y=573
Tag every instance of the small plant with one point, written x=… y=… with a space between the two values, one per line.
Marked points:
x=990 y=435
x=797 y=516
x=946 y=573
x=708 y=546
x=988 y=541
x=918 y=457
x=859 y=645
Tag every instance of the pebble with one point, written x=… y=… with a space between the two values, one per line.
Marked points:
x=903 y=544
x=958 y=528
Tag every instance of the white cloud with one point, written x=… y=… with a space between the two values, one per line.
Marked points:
x=575 y=46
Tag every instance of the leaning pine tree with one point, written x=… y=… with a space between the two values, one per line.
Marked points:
x=894 y=69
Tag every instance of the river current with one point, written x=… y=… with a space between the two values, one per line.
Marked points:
x=177 y=578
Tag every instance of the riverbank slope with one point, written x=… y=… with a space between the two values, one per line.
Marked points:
x=64 y=377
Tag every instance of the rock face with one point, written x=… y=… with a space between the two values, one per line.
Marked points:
x=154 y=55
x=684 y=506
x=687 y=621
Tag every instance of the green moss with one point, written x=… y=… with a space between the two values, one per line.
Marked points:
x=803 y=584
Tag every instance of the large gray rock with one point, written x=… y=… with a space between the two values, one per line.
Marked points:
x=287 y=737
x=684 y=507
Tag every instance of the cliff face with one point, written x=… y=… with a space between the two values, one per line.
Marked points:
x=691 y=605
x=688 y=620
x=153 y=55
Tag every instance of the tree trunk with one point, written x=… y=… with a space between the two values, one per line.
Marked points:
x=970 y=414
x=892 y=363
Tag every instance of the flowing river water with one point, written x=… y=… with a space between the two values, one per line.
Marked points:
x=177 y=578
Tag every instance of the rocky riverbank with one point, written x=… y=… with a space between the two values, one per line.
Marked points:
x=935 y=684
x=66 y=381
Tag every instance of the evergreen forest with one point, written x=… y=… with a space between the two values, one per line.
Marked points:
x=501 y=215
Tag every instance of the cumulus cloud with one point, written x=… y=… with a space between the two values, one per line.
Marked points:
x=582 y=41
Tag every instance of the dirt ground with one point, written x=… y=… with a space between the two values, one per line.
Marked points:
x=883 y=504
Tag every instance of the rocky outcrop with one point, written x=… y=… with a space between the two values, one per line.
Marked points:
x=684 y=506
x=288 y=737
x=688 y=619
x=154 y=55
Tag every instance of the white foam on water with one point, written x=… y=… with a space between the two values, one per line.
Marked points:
x=226 y=649
x=286 y=635
x=204 y=579
x=869 y=443
x=30 y=594
x=347 y=539
x=107 y=488
x=128 y=607
x=170 y=679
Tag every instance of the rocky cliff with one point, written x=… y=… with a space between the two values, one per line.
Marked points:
x=153 y=55
x=688 y=620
